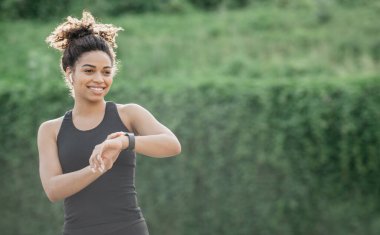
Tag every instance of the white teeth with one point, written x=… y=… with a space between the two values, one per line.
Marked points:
x=96 y=88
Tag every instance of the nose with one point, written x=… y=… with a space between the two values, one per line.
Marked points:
x=98 y=77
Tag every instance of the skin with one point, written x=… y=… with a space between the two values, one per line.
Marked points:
x=91 y=78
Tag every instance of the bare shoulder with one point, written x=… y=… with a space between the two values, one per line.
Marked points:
x=50 y=127
x=133 y=115
x=131 y=109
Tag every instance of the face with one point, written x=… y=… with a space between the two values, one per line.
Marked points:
x=92 y=76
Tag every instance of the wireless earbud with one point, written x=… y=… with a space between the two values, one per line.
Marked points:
x=71 y=78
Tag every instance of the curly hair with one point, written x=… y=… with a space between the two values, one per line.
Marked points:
x=75 y=37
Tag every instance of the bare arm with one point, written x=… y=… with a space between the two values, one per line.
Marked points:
x=152 y=138
x=58 y=186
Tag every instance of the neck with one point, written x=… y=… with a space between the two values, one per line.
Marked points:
x=88 y=108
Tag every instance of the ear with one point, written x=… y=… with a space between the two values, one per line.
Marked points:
x=69 y=74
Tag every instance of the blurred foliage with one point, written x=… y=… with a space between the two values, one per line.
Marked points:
x=276 y=107
x=45 y=9
x=265 y=157
x=254 y=43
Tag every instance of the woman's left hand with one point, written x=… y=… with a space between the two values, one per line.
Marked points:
x=105 y=154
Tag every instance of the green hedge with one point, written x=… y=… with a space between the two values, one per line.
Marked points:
x=259 y=157
x=45 y=9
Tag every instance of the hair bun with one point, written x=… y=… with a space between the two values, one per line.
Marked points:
x=78 y=33
x=74 y=28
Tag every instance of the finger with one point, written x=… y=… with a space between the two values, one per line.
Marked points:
x=100 y=159
x=94 y=159
x=101 y=163
x=98 y=162
x=114 y=135
x=92 y=162
x=107 y=163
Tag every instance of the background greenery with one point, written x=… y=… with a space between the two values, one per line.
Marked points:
x=275 y=104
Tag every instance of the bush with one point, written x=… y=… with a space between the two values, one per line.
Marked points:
x=38 y=9
x=44 y=9
x=259 y=157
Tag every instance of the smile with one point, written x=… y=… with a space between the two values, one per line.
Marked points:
x=96 y=88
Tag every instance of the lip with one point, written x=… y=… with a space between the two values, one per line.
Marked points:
x=98 y=90
x=96 y=87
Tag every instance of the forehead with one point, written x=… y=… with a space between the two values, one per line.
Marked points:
x=96 y=58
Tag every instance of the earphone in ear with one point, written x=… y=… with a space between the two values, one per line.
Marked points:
x=71 y=78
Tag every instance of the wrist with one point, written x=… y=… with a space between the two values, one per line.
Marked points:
x=94 y=171
x=124 y=142
x=131 y=140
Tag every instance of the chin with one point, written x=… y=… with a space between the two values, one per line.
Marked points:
x=96 y=99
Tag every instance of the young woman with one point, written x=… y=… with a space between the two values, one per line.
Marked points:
x=87 y=157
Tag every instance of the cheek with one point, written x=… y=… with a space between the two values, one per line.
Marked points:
x=109 y=81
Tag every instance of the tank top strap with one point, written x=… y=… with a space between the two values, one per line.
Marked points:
x=111 y=112
x=113 y=117
x=111 y=106
x=68 y=115
x=110 y=109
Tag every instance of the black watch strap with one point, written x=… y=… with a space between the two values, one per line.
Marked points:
x=131 y=138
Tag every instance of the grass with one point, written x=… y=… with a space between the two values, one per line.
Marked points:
x=265 y=44
x=259 y=42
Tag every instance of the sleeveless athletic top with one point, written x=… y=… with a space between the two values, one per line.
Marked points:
x=112 y=197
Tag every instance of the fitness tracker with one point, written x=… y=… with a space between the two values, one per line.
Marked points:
x=131 y=138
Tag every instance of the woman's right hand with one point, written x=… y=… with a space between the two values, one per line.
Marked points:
x=106 y=153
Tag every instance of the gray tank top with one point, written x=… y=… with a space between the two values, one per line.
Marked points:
x=112 y=197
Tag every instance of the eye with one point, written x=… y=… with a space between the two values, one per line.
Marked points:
x=88 y=70
x=107 y=73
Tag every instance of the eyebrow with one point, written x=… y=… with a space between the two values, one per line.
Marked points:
x=93 y=66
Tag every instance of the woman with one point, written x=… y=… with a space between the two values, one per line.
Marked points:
x=87 y=157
